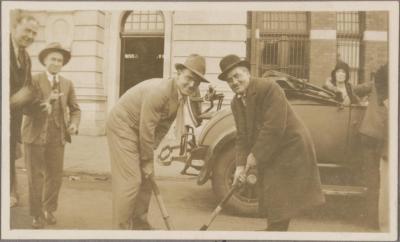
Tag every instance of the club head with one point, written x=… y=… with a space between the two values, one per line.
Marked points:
x=204 y=228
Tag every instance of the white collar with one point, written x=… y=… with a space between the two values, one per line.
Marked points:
x=50 y=77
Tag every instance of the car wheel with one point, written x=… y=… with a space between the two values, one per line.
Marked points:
x=245 y=200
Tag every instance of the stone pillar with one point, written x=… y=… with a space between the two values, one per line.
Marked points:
x=322 y=46
x=375 y=43
x=87 y=71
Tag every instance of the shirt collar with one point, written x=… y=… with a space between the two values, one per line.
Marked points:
x=240 y=96
x=50 y=77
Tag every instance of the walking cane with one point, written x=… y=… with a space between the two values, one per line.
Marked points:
x=161 y=205
x=251 y=179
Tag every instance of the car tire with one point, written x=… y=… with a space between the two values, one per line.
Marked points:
x=222 y=178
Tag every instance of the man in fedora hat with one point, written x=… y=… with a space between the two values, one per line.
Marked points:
x=23 y=33
x=271 y=138
x=135 y=126
x=44 y=134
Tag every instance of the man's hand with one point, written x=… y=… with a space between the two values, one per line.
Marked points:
x=54 y=95
x=239 y=175
x=72 y=129
x=386 y=103
x=46 y=107
x=251 y=162
x=148 y=168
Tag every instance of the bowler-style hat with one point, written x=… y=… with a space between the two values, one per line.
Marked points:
x=55 y=47
x=229 y=62
x=196 y=64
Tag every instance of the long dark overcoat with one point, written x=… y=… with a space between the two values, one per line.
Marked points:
x=286 y=162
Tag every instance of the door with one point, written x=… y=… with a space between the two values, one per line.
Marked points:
x=328 y=125
x=142 y=59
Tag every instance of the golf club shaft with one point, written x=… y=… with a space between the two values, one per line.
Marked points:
x=161 y=205
x=218 y=209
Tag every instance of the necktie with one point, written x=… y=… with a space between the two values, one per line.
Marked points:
x=54 y=83
x=21 y=57
x=242 y=98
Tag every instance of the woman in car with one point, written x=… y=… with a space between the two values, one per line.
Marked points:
x=340 y=85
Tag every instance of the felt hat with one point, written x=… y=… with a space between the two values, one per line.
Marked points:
x=55 y=47
x=229 y=62
x=196 y=64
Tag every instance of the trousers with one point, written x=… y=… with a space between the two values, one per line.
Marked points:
x=131 y=193
x=44 y=164
x=371 y=153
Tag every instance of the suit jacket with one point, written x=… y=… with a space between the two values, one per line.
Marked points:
x=375 y=119
x=35 y=120
x=286 y=161
x=149 y=108
x=16 y=83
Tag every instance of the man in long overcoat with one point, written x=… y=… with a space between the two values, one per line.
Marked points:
x=273 y=139
x=374 y=135
x=22 y=35
x=44 y=134
x=135 y=127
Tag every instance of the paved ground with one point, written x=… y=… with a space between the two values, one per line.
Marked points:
x=89 y=155
x=85 y=199
x=86 y=204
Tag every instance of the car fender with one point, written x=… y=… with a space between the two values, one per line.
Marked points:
x=218 y=132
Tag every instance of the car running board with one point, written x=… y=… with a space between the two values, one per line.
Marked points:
x=344 y=190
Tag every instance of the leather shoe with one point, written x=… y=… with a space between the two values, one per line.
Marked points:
x=50 y=218
x=38 y=222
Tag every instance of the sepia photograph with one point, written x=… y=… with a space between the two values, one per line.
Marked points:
x=200 y=120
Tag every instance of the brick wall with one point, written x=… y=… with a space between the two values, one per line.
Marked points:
x=322 y=46
x=376 y=20
x=323 y=20
x=374 y=46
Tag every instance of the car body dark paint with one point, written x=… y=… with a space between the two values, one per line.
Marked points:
x=333 y=127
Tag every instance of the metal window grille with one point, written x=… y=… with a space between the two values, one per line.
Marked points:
x=283 y=43
x=144 y=22
x=348 y=36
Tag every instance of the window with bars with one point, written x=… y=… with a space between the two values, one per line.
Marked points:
x=144 y=22
x=348 y=37
x=283 y=42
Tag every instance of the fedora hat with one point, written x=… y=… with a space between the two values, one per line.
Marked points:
x=229 y=62
x=196 y=64
x=55 y=47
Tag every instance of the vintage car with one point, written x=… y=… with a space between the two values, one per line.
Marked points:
x=333 y=126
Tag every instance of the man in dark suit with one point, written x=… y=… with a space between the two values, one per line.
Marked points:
x=44 y=134
x=374 y=133
x=23 y=34
x=136 y=126
x=273 y=139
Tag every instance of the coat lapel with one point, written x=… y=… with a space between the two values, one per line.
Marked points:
x=44 y=85
x=251 y=108
x=64 y=91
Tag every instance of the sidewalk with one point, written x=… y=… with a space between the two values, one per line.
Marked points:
x=89 y=155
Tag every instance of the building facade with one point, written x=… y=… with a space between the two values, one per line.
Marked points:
x=114 y=50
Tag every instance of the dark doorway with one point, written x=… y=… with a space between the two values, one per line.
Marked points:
x=142 y=59
x=142 y=47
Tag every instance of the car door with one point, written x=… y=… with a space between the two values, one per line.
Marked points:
x=328 y=125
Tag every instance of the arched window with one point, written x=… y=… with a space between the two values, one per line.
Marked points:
x=142 y=47
x=143 y=22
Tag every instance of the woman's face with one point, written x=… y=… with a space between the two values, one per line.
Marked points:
x=340 y=75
